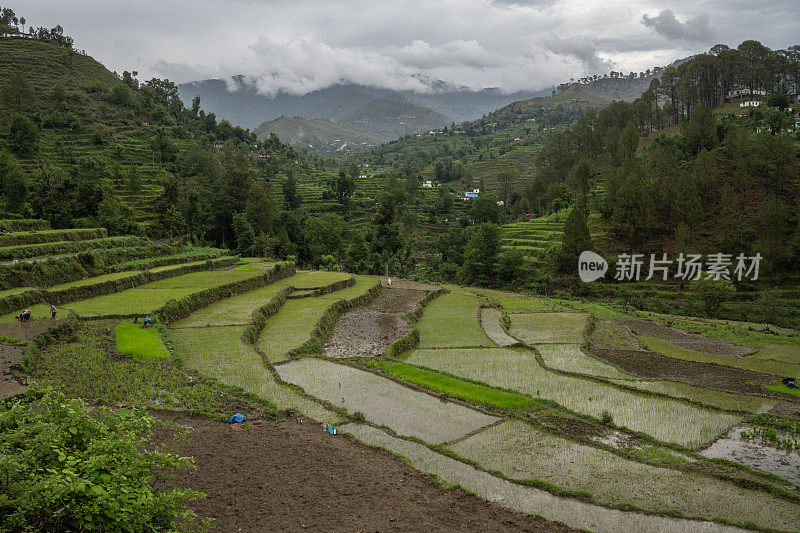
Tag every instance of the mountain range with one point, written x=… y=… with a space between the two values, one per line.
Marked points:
x=348 y=117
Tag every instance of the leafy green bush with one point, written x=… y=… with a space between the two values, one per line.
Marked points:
x=66 y=467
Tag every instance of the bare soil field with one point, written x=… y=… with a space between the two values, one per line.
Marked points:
x=9 y=357
x=294 y=477
x=687 y=339
x=27 y=330
x=652 y=365
x=369 y=330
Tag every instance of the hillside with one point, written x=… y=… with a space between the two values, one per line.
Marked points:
x=375 y=122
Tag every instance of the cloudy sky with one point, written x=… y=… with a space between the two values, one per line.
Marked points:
x=302 y=45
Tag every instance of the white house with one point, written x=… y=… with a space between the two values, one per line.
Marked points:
x=750 y=103
x=745 y=91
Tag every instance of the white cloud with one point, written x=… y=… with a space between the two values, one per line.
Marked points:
x=306 y=44
x=695 y=29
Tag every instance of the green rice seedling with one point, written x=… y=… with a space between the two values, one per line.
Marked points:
x=516 y=369
x=788 y=353
x=747 y=363
x=521 y=451
x=311 y=279
x=219 y=353
x=570 y=358
x=383 y=402
x=534 y=328
x=783 y=389
x=138 y=342
x=451 y=320
x=714 y=398
x=16 y=290
x=93 y=280
x=458 y=388
x=491 y=323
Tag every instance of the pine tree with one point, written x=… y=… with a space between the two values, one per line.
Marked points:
x=576 y=239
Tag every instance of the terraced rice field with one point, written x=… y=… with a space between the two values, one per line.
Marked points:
x=767 y=366
x=295 y=322
x=535 y=328
x=570 y=358
x=521 y=451
x=451 y=320
x=517 y=369
x=408 y=412
x=490 y=322
x=577 y=514
x=219 y=352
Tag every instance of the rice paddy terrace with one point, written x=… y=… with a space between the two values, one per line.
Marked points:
x=598 y=421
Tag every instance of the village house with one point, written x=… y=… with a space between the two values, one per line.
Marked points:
x=750 y=103
x=745 y=91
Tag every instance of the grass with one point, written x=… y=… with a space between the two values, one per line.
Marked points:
x=731 y=331
x=458 y=388
x=143 y=344
x=85 y=367
x=517 y=369
x=779 y=352
x=93 y=280
x=16 y=290
x=533 y=328
x=451 y=320
x=521 y=451
x=219 y=353
x=312 y=279
x=611 y=335
x=408 y=412
x=746 y=363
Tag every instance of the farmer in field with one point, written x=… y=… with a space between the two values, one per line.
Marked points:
x=53 y=312
x=389 y=281
x=25 y=316
x=146 y=323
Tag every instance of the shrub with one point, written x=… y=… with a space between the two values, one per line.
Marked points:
x=65 y=467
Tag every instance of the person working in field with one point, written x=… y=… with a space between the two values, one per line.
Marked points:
x=146 y=323
x=25 y=316
x=53 y=312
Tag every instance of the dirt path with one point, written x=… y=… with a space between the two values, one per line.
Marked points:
x=687 y=339
x=293 y=477
x=25 y=330
x=712 y=376
x=10 y=356
x=368 y=331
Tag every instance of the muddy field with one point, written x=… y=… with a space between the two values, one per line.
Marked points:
x=369 y=330
x=27 y=330
x=293 y=477
x=718 y=377
x=9 y=358
x=687 y=339
x=756 y=454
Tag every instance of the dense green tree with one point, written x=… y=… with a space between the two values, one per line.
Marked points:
x=291 y=195
x=700 y=130
x=23 y=136
x=17 y=93
x=576 y=239
x=481 y=255
x=13 y=182
x=484 y=208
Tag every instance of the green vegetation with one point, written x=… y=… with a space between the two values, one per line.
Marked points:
x=533 y=328
x=139 y=343
x=522 y=452
x=451 y=320
x=383 y=402
x=55 y=477
x=517 y=369
x=458 y=388
x=570 y=358
x=747 y=363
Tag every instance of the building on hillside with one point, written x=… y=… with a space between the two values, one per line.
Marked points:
x=750 y=103
x=501 y=203
x=745 y=91
x=474 y=193
x=218 y=145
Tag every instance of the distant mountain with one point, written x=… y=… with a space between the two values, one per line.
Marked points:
x=245 y=107
x=376 y=122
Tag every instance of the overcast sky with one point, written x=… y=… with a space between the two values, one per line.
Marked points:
x=301 y=45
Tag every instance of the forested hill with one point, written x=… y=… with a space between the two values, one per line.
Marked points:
x=85 y=147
